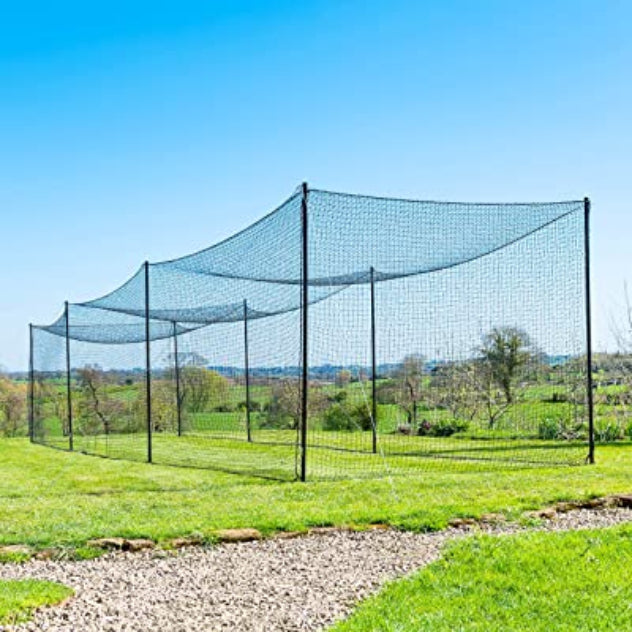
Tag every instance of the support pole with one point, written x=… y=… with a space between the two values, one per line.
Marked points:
x=589 y=377
x=68 y=391
x=31 y=387
x=247 y=373
x=148 y=364
x=177 y=375
x=304 y=355
x=373 y=365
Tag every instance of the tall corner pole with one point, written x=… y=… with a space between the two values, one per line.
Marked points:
x=247 y=373
x=148 y=364
x=177 y=375
x=304 y=354
x=589 y=376
x=373 y=365
x=31 y=392
x=68 y=386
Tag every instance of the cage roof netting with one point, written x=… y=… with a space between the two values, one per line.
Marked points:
x=348 y=236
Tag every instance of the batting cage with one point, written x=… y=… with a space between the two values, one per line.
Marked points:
x=340 y=335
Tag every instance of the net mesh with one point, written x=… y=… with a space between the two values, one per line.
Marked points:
x=434 y=330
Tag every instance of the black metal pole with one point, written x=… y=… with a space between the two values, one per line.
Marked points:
x=177 y=375
x=304 y=355
x=148 y=363
x=373 y=364
x=68 y=391
x=31 y=387
x=589 y=377
x=247 y=372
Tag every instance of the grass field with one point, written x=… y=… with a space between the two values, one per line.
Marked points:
x=575 y=581
x=55 y=498
x=19 y=598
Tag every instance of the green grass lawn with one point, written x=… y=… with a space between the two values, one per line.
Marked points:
x=574 y=581
x=18 y=599
x=54 y=498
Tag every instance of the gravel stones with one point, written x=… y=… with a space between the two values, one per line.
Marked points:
x=279 y=584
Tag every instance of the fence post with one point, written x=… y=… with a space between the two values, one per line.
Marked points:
x=373 y=364
x=304 y=355
x=148 y=363
x=589 y=378
x=247 y=372
x=177 y=375
x=31 y=387
x=68 y=391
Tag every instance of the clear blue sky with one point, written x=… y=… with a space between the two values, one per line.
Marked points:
x=146 y=130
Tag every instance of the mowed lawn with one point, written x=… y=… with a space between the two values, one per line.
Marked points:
x=18 y=599
x=574 y=581
x=53 y=498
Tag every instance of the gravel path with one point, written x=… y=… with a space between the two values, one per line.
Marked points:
x=273 y=585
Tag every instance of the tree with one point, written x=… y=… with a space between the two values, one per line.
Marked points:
x=12 y=407
x=409 y=377
x=163 y=407
x=284 y=408
x=505 y=350
x=503 y=354
x=456 y=387
x=200 y=386
x=97 y=409
x=343 y=377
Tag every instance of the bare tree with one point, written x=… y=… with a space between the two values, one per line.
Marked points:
x=410 y=378
x=284 y=408
x=457 y=388
x=97 y=408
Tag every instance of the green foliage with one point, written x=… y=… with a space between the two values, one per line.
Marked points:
x=561 y=427
x=18 y=599
x=346 y=416
x=505 y=350
x=580 y=581
x=608 y=429
x=164 y=415
x=201 y=387
x=283 y=408
x=12 y=408
x=443 y=427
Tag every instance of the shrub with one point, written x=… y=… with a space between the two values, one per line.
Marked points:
x=442 y=427
x=557 y=398
x=346 y=417
x=608 y=430
x=628 y=430
x=255 y=406
x=561 y=428
x=225 y=408
x=548 y=428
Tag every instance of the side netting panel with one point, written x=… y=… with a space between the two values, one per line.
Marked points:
x=225 y=384
x=228 y=397
x=483 y=360
x=48 y=395
x=108 y=388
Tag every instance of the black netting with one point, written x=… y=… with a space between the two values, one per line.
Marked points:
x=433 y=330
